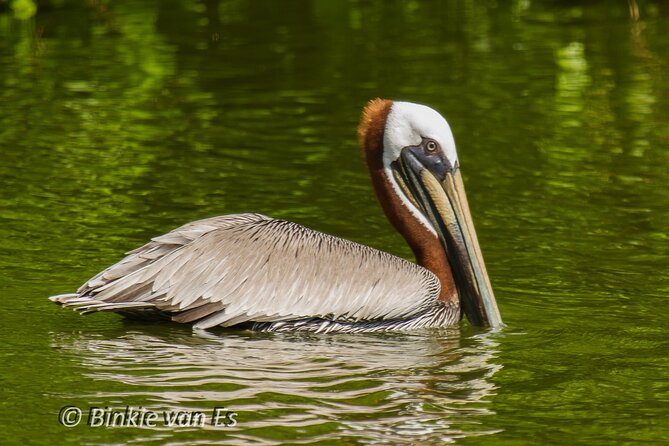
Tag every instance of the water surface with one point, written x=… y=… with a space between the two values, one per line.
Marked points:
x=121 y=121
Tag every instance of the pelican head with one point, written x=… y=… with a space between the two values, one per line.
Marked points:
x=410 y=152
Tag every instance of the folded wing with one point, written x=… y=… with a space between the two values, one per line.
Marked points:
x=248 y=267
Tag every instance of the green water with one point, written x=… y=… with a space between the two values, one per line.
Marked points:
x=122 y=120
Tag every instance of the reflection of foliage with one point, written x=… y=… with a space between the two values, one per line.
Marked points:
x=24 y=9
x=209 y=107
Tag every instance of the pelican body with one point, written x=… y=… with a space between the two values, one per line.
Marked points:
x=250 y=270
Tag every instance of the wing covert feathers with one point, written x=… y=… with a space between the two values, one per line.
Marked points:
x=251 y=268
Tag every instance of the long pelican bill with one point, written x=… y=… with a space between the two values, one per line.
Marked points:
x=436 y=188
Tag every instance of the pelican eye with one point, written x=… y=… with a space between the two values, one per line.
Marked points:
x=431 y=146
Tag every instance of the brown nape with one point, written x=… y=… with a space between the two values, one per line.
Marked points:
x=426 y=246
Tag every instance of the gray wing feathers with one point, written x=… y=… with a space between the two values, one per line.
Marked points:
x=248 y=267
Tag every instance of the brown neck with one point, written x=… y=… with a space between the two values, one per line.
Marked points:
x=425 y=244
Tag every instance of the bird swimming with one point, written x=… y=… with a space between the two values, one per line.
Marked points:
x=253 y=271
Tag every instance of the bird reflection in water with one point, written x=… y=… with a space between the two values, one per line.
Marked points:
x=422 y=386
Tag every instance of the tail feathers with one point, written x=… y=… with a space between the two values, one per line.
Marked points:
x=85 y=305
x=61 y=298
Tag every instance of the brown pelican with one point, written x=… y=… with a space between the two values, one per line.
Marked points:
x=254 y=271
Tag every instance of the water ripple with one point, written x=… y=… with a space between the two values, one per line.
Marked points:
x=378 y=389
